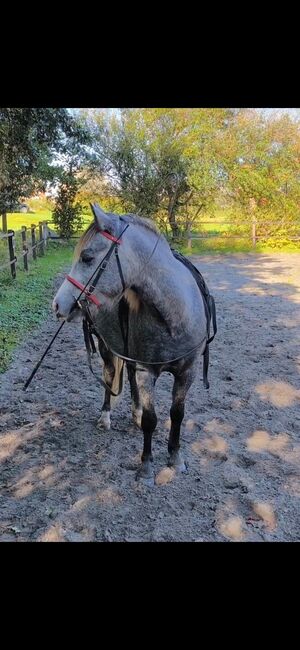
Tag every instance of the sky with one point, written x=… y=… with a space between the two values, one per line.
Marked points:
x=292 y=112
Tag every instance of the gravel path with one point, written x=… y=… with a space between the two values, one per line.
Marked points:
x=64 y=480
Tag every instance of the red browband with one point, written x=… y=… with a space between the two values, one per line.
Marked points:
x=108 y=236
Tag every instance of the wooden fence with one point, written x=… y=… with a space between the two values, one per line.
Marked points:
x=34 y=239
x=32 y=244
x=253 y=232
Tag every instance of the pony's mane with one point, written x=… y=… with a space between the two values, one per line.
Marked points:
x=141 y=221
x=128 y=218
x=85 y=239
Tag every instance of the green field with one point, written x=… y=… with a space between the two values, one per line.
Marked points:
x=15 y=220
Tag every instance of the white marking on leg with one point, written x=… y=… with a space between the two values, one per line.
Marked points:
x=104 y=420
x=137 y=416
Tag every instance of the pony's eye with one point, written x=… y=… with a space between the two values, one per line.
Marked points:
x=86 y=257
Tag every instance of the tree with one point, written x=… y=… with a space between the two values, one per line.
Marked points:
x=30 y=139
x=161 y=162
x=72 y=173
x=261 y=162
x=67 y=214
x=175 y=164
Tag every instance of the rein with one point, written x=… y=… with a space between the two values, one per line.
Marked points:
x=99 y=270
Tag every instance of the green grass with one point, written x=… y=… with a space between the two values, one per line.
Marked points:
x=241 y=245
x=220 y=245
x=15 y=220
x=216 y=246
x=26 y=299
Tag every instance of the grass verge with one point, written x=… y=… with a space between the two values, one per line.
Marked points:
x=25 y=301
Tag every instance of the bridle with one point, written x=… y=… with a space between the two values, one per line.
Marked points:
x=101 y=267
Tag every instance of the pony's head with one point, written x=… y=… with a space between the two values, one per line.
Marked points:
x=90 y=250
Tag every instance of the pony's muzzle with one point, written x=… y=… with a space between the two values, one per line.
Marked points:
x=56 y=309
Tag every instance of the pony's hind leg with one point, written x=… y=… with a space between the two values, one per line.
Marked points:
x=145 y=384
x=136 y=406
x=181 y=386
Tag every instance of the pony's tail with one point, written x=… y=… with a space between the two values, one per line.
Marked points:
x=118 y=381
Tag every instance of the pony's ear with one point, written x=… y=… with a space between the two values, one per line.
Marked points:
x=103 y=221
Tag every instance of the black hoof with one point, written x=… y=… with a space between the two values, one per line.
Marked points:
x=176 y=462
x=145 y=474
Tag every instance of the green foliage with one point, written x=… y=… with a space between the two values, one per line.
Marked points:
x=30 y=139
x=67 y=214
x=26 y=300
x=176 y=166
x=41 y=203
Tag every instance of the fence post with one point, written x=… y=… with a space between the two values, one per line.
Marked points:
x=253 y=231
x=45 y=233
x=25 y=248
x=33 y=241
x=41 y=240
x=189 y=239
x=12 y=256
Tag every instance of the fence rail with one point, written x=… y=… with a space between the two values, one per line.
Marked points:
x=251 y=225
x=29 y=248
x=34 y=239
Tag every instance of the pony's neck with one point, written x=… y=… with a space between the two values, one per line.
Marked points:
x=157 y=283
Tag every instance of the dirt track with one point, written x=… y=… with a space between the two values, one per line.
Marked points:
x=63 y=480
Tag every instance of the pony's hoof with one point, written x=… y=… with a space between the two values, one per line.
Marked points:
x=148 y=482
x=145 y=474
x=104 y=421
x=176 y=462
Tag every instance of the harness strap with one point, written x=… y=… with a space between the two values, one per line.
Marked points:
x=209 y=306
x=120 y=269
x=91 y=349
x=213 y=316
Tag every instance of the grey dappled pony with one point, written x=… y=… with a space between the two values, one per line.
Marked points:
x=165 y=319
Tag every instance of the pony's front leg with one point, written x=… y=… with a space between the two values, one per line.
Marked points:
x=181 y=386
x=145 y=380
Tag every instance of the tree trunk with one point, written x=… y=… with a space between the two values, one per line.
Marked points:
x=172 y=217
x=4 y=222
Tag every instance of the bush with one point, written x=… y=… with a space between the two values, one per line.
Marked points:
x=67 y=214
